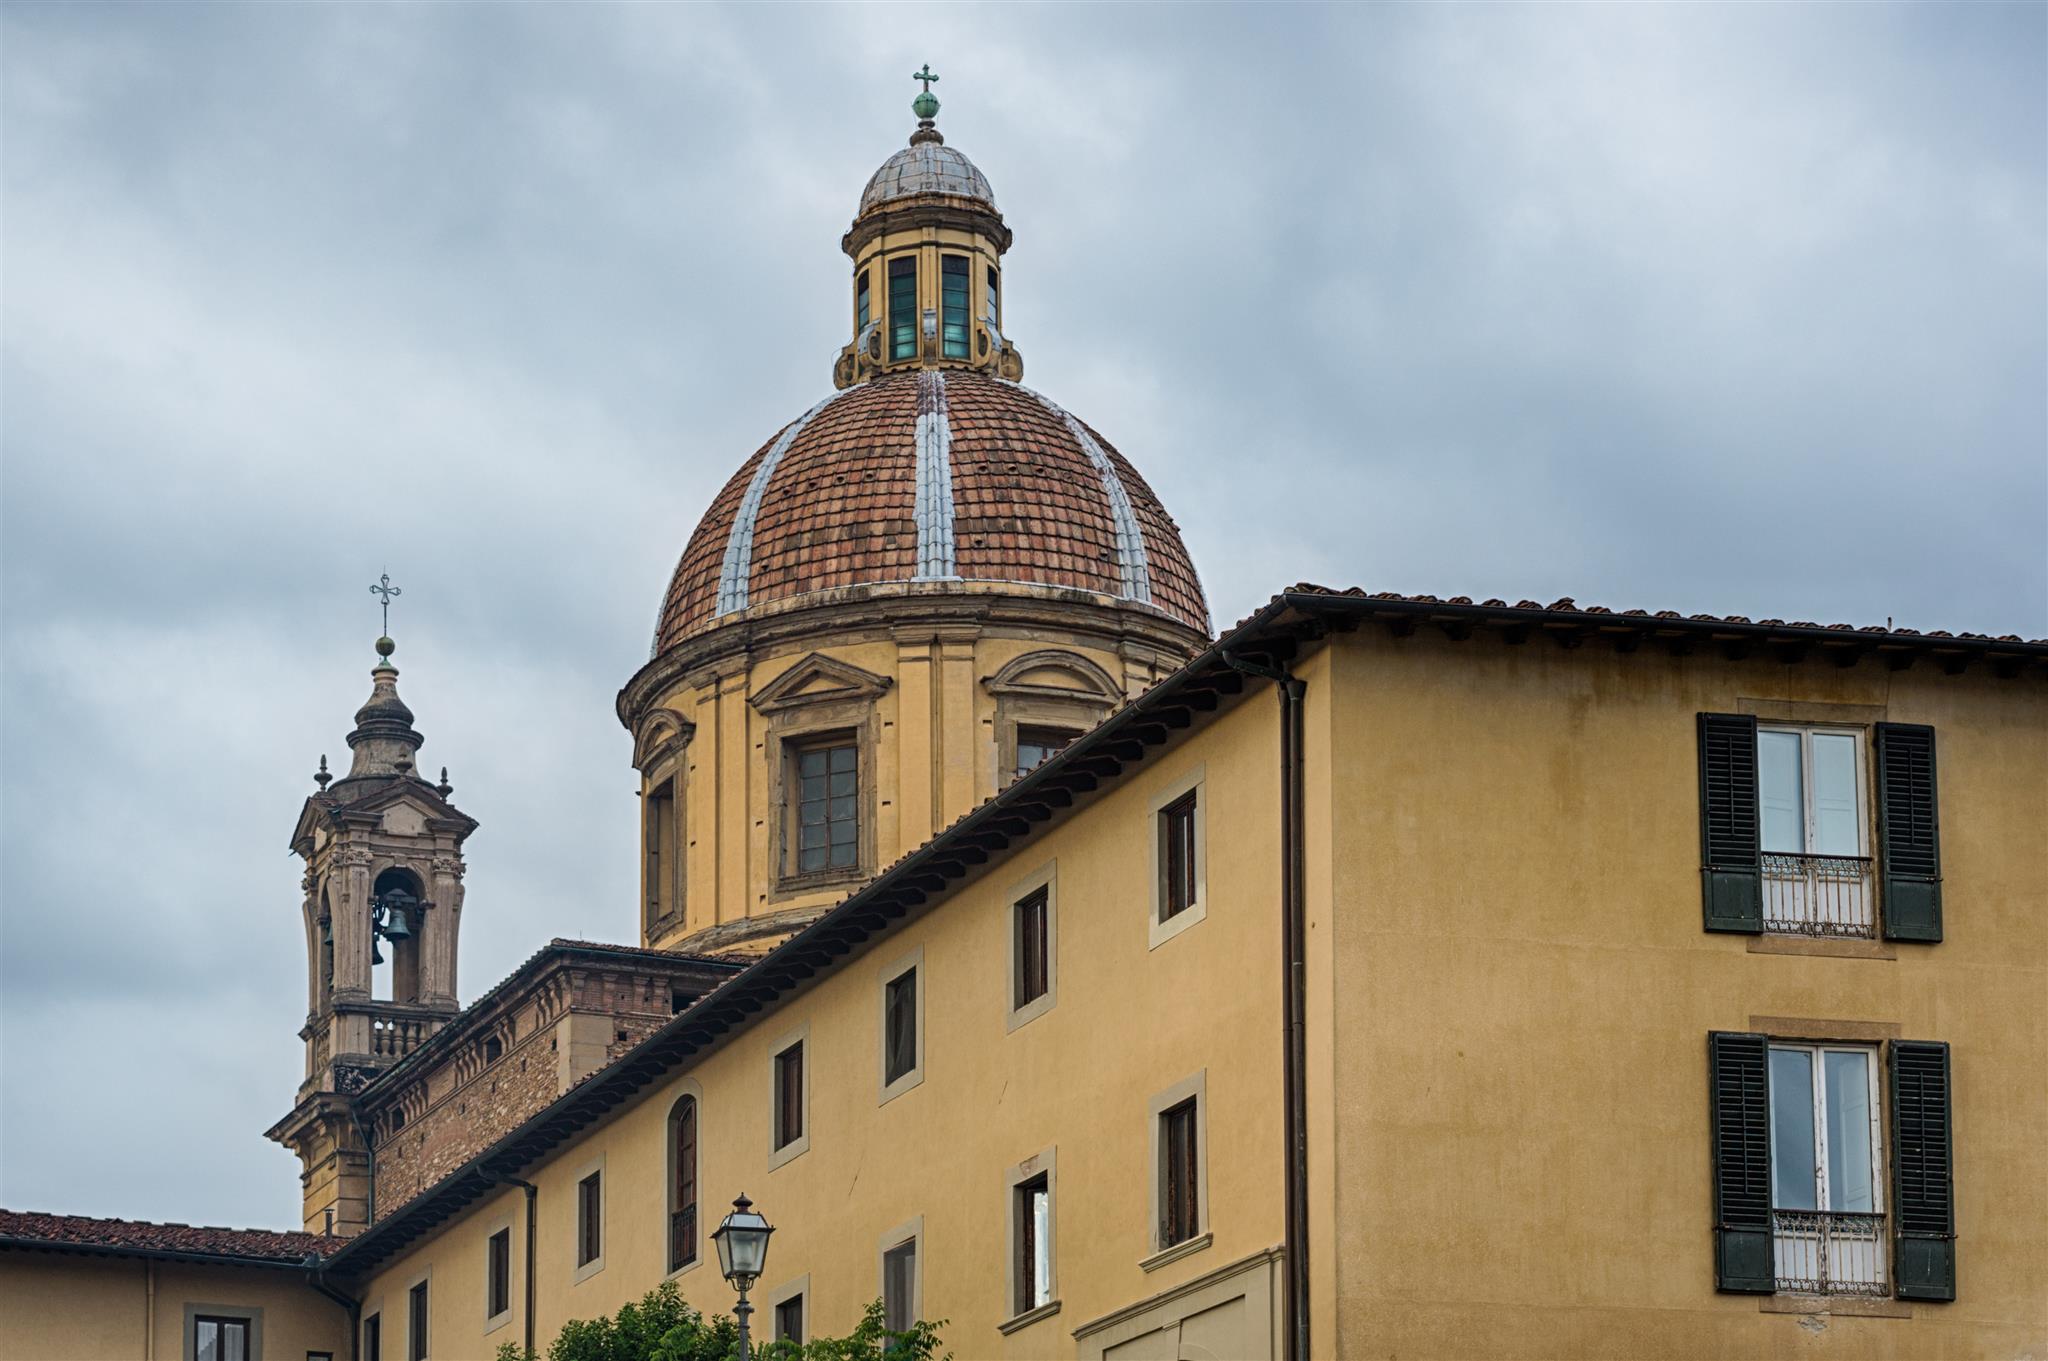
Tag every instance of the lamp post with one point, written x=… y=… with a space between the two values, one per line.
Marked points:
x=742 y=1238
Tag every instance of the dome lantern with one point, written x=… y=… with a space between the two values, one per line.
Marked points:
x=927 y=244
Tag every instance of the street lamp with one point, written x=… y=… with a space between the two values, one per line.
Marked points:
x=742 y=1239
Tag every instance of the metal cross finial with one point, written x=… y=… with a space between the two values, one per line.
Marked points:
x=926 y=76
x=387 y=590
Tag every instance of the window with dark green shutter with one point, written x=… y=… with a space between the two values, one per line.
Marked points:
x=1909 y=841
x=1923 y=1171
x=903 y=308
x=953 y=291
x=1731 y=870
x=1740 y=1099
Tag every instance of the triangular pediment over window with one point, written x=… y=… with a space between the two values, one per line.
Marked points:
x=819 y=679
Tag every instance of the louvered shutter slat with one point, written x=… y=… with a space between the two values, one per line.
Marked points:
x=1923 y=1170
x=1908 y=831
x=1738 y=1075
x=1730 y=867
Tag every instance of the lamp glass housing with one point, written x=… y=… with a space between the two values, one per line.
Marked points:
x=742 y=1240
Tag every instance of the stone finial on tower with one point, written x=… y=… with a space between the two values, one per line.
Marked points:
x=926 y=107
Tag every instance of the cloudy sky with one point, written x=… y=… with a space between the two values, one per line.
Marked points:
x=1736 y=309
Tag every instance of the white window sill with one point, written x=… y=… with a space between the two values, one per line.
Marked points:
x=1848 y=1306
x=1028 y=1317
x=1186 y=1248
x=496 y=1321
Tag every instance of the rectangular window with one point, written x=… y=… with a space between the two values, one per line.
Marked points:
x=827 y=805
x=1815 y=858
x=1033 y=947
x=498 y=1274
x=1032 y=1217
x=590 y=1219
x=994 y=317
x=899 y=1019
x=220 y=1339
x=664 y=867
x=789 y=1320
x=1177 y=856
x=416 y=1320
x=373 y=1338
x=899 y=1286
x=903 y=307
x=789 y=1095
x=862 y=303
x=1827 y=1219
x=1179 y=1170
x=953 y=289
x=1037 y=745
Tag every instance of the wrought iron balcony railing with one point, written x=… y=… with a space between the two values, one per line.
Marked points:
x=1819 y=895
x=1830 y=1252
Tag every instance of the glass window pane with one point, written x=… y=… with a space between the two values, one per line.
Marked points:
x=811 y=763
x=1778 y=789
x=842 y=810
x=1848 y=1108
x=842 y=783
x=811 y=858
x=234 y=1339
x=1836 y=829
x=842 y=855
x=206 y=1340
x=1793 y=1184
x=1041 y=1246
x=842 y=759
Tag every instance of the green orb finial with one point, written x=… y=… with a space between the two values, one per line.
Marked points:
x=926 y=105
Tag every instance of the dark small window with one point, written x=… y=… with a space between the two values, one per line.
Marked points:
x=899 y=1012
x=789 y=1095
x=1036 y=745
x=903 y=307
x=1177 y=856
x=319 y=1356
x=827 y=806
x=1179 y=1212
x=1033 y=1218
x=589 y=1219
x=899 y=1286
x=682 y=1223
x=953 y=289
x=862 y=303
x=494 y=1049
x=664 y=865
x=789 y=1320
x=220 y=1339
x=498 y=1274
x=1033 y=947
x=416 y=1317
x=373 y=1338
x=678 y=999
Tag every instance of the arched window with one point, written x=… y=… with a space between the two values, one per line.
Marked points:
x=682 y=1217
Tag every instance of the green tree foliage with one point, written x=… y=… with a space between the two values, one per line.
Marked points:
x=661 y=1327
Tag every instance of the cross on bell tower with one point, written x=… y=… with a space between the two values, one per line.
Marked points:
x=382 y=908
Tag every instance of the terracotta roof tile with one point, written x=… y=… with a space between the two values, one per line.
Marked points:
x=142 y=1236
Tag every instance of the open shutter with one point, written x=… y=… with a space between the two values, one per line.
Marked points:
x=1740 y=1096
x=1908 y=833
x=1923 y=1171
x=1731 y=872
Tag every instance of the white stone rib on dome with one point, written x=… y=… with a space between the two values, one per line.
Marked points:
x=1130 y=536
x=927 y=168
x=934 y=480
x=739 y=544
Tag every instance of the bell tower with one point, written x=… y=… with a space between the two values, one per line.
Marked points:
x=382 y=850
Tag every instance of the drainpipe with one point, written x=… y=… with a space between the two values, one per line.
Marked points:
x=316 y=1276
x=148 y=1311
x=531 y=1192
x=1294 y=1021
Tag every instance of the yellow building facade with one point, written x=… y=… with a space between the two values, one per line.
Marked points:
x=1388 y=976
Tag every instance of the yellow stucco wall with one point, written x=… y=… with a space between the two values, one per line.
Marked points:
x=1514 y=991
x=1129 y=1022
x=58 y=1307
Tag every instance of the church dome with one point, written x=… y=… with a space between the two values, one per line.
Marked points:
x=931 y=475
x=929 y=167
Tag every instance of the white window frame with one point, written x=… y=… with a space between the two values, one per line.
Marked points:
x=604 y=1216
x=800 y=1145
x=1160 y=929
x=1045 y=877
x=1860 y=743
x=909 y=1231
x=912 y=961
x=1196 y=1087
x=1818 y=1096
x=798 y=1289
x=423 y=1277
x=1044 y=1163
